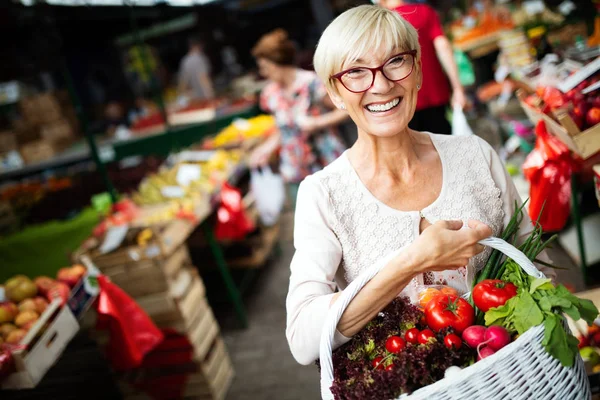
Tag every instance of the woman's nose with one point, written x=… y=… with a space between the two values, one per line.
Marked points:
x=381 y=84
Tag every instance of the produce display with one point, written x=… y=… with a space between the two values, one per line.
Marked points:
x=240 y=130
x=584 y=109
x=26 y=300
x=408 y=346
x=153 y=189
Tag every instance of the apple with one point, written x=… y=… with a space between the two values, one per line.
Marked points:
x=43 y=284
x=71 y=275
x=16 y=336
x=8 y=312
x=27 y=305
x=577 y=119
x=5 y=329
x=26 y=316
x=59 y=290
x=40 y=304
x=593 y=116
x=27 y=327
x=20 y=288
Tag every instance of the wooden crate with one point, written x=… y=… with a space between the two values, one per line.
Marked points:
x=261 y=249
x=181 y=306
x=166 y=239
x=199 y=378
x=36 y=151
x=150 y=276
x=43 y=347
x=585 y=144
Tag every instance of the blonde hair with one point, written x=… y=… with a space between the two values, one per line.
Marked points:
x=357 y=33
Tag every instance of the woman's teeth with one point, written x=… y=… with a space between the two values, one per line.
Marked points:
x=383 y=107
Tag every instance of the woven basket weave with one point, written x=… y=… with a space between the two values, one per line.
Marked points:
x=522 y=370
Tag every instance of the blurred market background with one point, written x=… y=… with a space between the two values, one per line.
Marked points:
x=106 y=163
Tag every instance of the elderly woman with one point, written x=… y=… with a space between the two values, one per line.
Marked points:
x=397 y=194
x=298 y=101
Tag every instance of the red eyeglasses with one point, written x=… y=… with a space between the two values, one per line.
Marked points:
x=395 y=69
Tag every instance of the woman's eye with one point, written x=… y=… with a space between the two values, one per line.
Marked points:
x=355 y=72
x=397 y=60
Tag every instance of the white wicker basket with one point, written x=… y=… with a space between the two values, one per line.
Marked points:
x=522 y=370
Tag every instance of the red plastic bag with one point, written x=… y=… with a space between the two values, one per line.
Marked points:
x=132 y=332
x=232 y=221
x=548 y=169
x=166 y=370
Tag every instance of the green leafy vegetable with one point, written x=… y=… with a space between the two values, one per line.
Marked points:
x=557 y=342
x=527 y=314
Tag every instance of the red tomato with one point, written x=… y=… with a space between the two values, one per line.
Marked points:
x=390 y=367
x=449 y=312
x=377 y=362
x=395 y=344
x=426 y=336
x=492 y=293
x=452 y=341
x=412 y=336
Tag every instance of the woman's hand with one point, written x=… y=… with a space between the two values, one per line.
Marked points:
x=309 y=125
x=444 y=245
x=459 y=98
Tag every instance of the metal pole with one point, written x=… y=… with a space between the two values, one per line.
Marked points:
x=144 y=57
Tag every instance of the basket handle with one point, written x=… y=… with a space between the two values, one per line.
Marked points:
x=336 y=311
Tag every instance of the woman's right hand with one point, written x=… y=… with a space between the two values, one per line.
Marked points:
x=444 y=245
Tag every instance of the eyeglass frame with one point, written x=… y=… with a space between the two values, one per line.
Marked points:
x=339 y=75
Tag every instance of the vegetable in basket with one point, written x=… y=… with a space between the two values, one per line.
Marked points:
x=537 y=300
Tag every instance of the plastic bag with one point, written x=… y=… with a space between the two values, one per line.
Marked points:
x=548 y=169
x=232 y=221
x=132 y=332
x=426 y=293
x=460 y=126
x=269 y=192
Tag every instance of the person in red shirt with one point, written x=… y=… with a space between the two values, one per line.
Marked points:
x=436 y=51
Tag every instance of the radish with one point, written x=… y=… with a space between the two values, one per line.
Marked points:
x=496 y=337
x=474 y=335
x=484 y=352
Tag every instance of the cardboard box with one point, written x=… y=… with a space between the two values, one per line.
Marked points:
x=8 y=141
x=585 y=144
x=40 y=109
x=42 y=349
x=39 y=150
x=60 y=129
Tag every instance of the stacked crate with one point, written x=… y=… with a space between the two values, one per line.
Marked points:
x=162 y=280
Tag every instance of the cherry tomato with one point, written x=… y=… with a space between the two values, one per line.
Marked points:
x=395 y=344
x=377 y=362
x=449 y=311
x=390 y=367
x=426 y=336
x=452 y=341
x=412 y=336
x=492 y=293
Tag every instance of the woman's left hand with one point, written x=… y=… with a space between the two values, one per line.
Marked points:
x=309 y=125
x=459 y=98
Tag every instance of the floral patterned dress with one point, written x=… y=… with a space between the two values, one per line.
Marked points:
x=301 y=156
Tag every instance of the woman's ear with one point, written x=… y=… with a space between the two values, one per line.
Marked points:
x=336 y=100
x=419 y=74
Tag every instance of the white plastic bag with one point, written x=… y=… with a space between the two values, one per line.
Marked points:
x=268 y=190
x=460 y=126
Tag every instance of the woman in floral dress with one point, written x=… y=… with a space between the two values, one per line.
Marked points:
x=307 y=138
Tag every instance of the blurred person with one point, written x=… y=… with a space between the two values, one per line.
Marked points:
x=436 y=56
x=398 y=197
x=304 y=114
x=194 y=73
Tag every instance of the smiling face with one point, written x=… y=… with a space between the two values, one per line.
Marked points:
x=386 y=108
